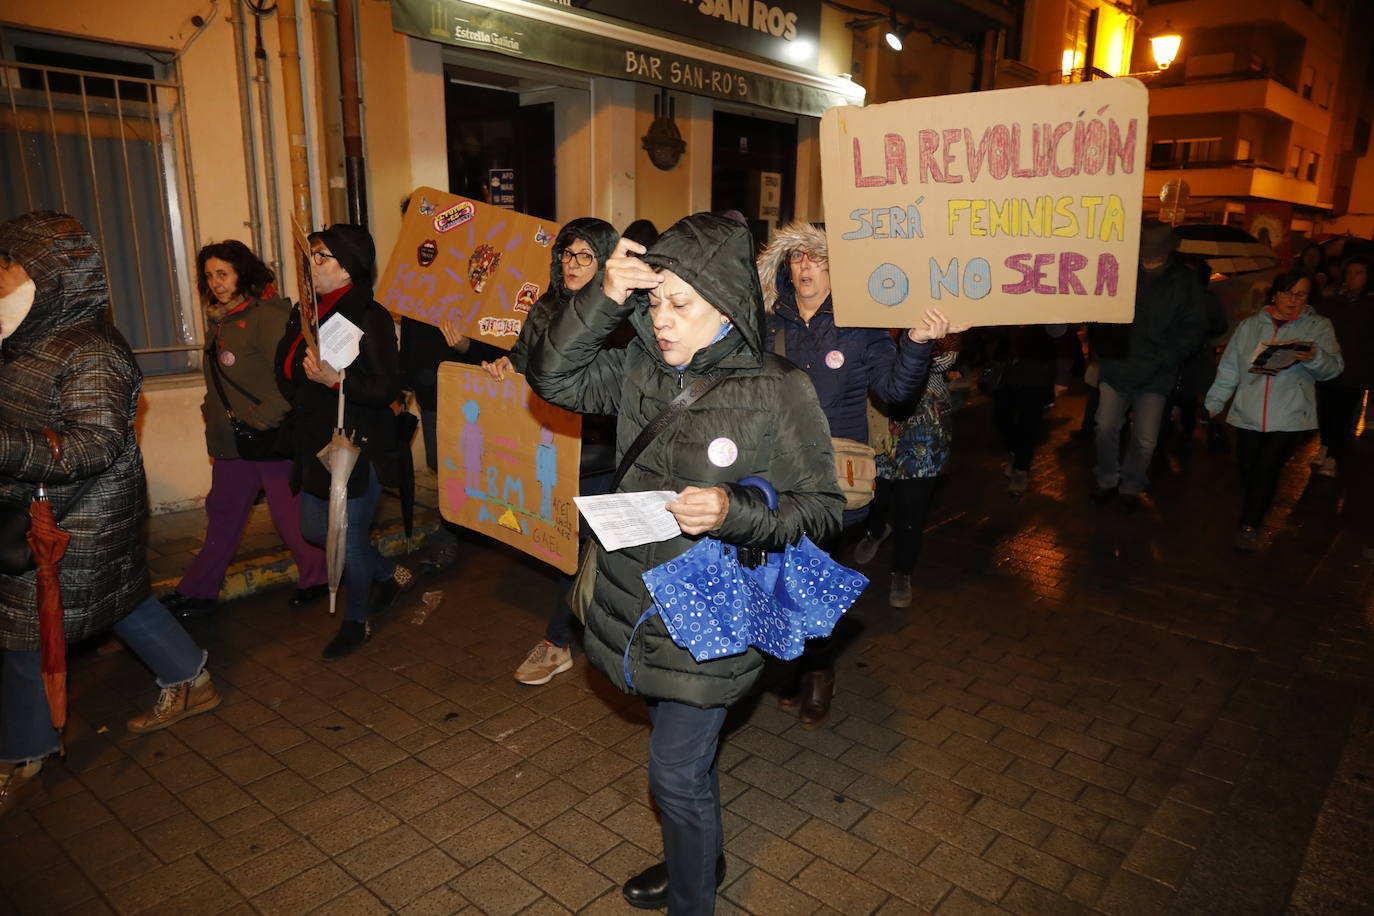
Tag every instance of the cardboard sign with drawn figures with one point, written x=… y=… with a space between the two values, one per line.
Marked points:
x=457 y=258
x=508 y=463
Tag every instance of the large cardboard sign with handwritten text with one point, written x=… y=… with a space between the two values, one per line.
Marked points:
x=480 y=265
x=1008 y=207
x=508 y=463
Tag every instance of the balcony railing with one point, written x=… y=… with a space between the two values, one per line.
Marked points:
x=1081 y=75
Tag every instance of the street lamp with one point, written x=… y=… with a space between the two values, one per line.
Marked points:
x=1165 y=45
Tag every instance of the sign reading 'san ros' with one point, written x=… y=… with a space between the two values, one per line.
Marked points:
x=1010 y=207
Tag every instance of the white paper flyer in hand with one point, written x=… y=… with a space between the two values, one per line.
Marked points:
x=630 y=519
x=339 y=342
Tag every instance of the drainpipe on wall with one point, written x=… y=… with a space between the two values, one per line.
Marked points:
x=326 y=20
x=354 y=166
x=250 y=130
x=263 y=79
x=289 y=39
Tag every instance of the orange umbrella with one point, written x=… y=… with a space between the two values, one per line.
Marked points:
x=49 y=543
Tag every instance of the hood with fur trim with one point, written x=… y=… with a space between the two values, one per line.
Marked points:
x=774 y=274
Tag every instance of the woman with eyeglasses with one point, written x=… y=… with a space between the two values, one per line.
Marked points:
x=844 y=365
x=342 y=267
x=1269 y=371
x=244 y=318
x=578 y=257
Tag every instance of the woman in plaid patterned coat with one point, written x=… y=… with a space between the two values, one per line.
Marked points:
x=66 y=370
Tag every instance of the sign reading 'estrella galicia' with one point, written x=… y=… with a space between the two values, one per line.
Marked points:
x=787 y=31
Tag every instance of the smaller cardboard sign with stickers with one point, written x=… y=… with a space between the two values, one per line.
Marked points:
x=477 y=265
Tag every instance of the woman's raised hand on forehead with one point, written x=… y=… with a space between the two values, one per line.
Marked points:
x=626 y=273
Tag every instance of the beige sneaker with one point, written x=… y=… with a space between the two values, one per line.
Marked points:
x=177 y=703
x=17 y=781
x=544 y=661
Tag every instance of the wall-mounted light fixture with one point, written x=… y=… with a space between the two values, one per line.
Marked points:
x=896 y=32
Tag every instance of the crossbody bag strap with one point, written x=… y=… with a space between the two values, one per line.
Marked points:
x=214 y=356
x=780 y=340
x=674 y=409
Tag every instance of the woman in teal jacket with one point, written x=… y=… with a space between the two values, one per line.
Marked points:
x=1272 y=409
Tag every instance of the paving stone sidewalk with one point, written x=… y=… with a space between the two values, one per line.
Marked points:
x=1083 y=712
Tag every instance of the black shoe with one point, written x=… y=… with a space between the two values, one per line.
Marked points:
x=303 y=596
x=648 y=890
x=1129 y=502
x=352 y=634
x=187 y=608
x=438 y=558
x=1100 y=495
x=385 y=592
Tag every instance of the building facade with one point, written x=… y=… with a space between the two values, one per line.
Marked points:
x=1251 y=115
x=167 y=124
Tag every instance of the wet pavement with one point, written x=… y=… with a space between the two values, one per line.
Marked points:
x=1083 y=711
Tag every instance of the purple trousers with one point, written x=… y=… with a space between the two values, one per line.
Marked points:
x=234 y=484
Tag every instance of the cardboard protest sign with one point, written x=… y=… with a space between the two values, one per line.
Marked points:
x=457 y=258
x=1009 y=207
x=508 y=463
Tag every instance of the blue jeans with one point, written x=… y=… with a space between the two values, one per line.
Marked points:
x=154 y=635
x=363 y=565
x=1148 y=411
x=686 y=784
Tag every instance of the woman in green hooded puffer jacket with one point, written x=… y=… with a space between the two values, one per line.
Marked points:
x=695 y=304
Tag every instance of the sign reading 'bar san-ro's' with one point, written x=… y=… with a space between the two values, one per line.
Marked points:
x=469 y=25
x=787 y=31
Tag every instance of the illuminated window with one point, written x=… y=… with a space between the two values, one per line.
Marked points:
x=1242 y=149
x=1076 y=28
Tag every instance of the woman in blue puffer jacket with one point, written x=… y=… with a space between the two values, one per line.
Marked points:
x=1272 y=411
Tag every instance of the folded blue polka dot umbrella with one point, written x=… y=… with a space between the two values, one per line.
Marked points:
x=714 y=604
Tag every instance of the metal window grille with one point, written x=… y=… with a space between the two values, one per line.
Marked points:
x=90 y=130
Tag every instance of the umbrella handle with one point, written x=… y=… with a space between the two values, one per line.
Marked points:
x=339 y=424
x=760 y=484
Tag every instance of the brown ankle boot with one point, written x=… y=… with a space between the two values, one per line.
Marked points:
x=176 y=703
x=817 y=689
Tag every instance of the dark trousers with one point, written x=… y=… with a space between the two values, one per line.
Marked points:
x=1090 y=410
x=903 y=504
x=1016 y=414
x=1261 y=457
x=686 y=784
x=1336 y=409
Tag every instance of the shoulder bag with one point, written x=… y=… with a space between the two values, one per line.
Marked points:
x=584 y=582
x=251 y=443
x=856 y=467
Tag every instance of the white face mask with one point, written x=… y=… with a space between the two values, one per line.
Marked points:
x=14 y=308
